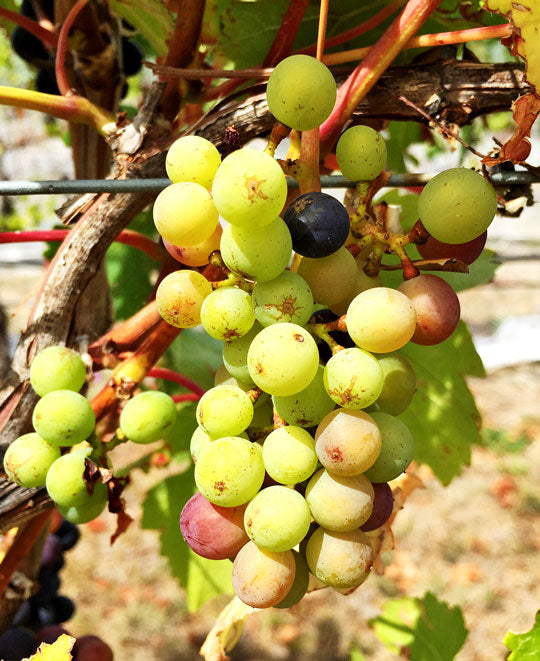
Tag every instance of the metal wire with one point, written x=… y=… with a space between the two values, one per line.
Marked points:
x=155 y=185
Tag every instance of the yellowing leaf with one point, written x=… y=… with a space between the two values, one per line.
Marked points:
x=60 y=650
x=226 y=631
x=525 y=16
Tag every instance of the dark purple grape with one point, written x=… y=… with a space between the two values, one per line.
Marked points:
x=91 y=648
x=16 y=644
x=52 y=555
x=46 y=82
x=49 y=585
x=23 y=615
x=50 y=634
x=45 y=616
x=63 y=608
x=28 y=47
x=318 y=223
x=131 y=57
x=382 y=507
x=27 y=9
x=68 y=534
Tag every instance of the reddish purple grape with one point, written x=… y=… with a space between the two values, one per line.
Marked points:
x=383 y=503
x=436 y=305
x=50 y=634
x=212 y=531
x=91 y=648
x=465 y=252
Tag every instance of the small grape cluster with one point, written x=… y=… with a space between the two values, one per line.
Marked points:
x=39 y=618
x=299 y=438
x=28 y=47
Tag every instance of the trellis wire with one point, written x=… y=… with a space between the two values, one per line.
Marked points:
x=67 y=187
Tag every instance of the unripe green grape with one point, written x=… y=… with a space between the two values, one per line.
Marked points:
x=277 y=518
x=63 y=418
x=300 y=585
x=200 y=439
x=57 y=368
x=361 y=153
x=301 y=92
x=230 y=471
x=223 y=378
x=235 y=355
x=307 y=407
x=289 y=455
x=90 y=509
x=339 y=559
x=397 y=449
x=353 y=378
x=339 y=502
x=185 y=214
x=347 y=442
x=180 y=296
x=361 y=283
x=65 y=482
x=381 y=320
x=192 y=158
x=224 y=411
x=263 y=415
x=227 y=313
x=285 y=298
x=148 y=417
x=257 y=253
x=283 y=359
x=28 y=459
x=262 y=578
x=249 y=189
x=399 y=384
x=329 y=278
x=457 y=205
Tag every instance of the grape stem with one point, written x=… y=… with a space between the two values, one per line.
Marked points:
x=231 y=279
x=279 y=132
x=283 y=41
x=322 y=332
x=180 y=379
x=47 y=37
x=59 y=62
x=186 y=397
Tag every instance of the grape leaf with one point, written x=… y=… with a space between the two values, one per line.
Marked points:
x=202 y=579
x=182 y=431
x=524 y=646
x=525 y=39
x=57 y=651
x=423 y=629
x=196 y=355
x=150 y=17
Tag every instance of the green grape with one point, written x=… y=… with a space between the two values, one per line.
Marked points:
x=339 y=502
x=257 y=253
x=262 y=578
x=339 y=559
x=277 y=518
x=200 y=439
x=89 y=510
x=249 y=189
x=285 y=298
x=283 y=359
x=330 y=278
x=289 y=455
x=235 y=356
x=57 y=368
x=63 y=418
x=223 y=378
x=197 y=255
x=347 y=442
x=230 y=471
x=353 y=378
x=399 y=384
x=301 y=92
x=227 y=313
x=180 y=296
x=307 y=407
x=224 y=411
x=300 y=585
x=28 y=459
x=457 y=205
x=397 y=449
x=361 y=153
x=361 y=283
x=185 y=214
x=65 y=482
x=381 y=320
x=192 y=158
x=263 y=415
x=148 y=417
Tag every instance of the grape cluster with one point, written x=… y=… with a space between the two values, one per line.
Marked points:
x=296 y=446
x=39 y=618
x=31 y=49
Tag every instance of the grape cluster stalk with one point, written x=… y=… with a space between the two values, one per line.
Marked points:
x=300 y=439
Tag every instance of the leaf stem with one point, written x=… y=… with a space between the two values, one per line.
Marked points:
x=180 y=379
x=47 y=37
x=283 y=41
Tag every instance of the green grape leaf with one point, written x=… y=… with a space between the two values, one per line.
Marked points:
x=196 y=355
x=182 y=431
x=423 y=629
x=201 y=579
x=402 y=136
x=524 y=646
x=443 y=417
x=151 y=19
x=128 y=272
